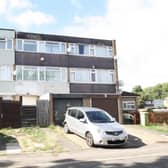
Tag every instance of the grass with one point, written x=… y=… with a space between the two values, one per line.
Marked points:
x=33 y=139
x=159 y=127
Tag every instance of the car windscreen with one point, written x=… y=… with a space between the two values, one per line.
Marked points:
x=98 y=117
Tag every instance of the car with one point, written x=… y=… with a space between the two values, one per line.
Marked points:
x=95 y=125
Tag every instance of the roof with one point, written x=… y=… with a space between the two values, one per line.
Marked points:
x=85 y=108
x=131 y=94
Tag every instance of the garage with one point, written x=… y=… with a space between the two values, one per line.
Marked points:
x=108 y=104
x=61 y=104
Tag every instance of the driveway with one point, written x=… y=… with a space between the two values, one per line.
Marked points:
x=145 y=149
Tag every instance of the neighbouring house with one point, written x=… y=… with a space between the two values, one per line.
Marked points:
x=129 y=107
x=43 y=74
x=165 y=102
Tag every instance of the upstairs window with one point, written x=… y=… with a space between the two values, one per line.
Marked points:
x=30 y=46
x=2 y=44
x=83 y=49
x=92 y=50
x=5 y=43
x=93 y=75
x=105 y=76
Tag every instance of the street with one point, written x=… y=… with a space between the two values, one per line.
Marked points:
x=145 y=149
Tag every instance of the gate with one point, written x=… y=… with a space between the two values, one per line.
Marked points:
x=28 y=116
x=43 y=113
x=10 y=114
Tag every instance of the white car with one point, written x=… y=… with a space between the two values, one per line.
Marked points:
x=95 y=125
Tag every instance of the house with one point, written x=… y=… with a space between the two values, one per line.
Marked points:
x=48 y=73
x=129 y=107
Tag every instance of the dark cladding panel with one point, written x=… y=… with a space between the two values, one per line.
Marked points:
x=36 y=59
x=90 y=62
x=69 y=39
x=92 y=88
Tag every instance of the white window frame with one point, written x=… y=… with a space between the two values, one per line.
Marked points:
x=6 y=44
x=61 y=70
x=30 y=41
x=94 y=48
x=128 y=103
x=59 y=45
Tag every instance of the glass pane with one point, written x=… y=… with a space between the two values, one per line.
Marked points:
x=42 y=75
x=52 y=47
x=19 y=44
x=81 y=49
x=9 y=44
x=53 y=75
x=18 y=73
x=2 y=44
x=101 y=51
x=30 y=46
x=30 y=74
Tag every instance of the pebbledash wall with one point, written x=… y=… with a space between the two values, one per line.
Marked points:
x=71 y=70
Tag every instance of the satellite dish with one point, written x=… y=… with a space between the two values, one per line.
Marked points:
x=69 y=49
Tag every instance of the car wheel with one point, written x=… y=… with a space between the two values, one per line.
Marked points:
x=89 y=139
x=66 y=128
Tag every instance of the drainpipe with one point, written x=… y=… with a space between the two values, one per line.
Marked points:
x=120 y=115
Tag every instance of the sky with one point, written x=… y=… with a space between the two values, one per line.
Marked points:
x=140 y=28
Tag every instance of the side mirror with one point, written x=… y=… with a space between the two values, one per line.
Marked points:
x=113 y=119
x=83 y=120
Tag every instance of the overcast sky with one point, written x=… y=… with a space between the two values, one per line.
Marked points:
x=140 y=28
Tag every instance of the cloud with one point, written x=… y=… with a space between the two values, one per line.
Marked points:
x=140 y=28
x=30 y=18
x=21 y=14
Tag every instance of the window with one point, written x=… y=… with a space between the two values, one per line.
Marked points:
x=100 y=51
x=105 y=76
x=129 y=105
x=83 y=49
x=80 y=114
x=52 y=47
x=30 y=73
x=109 y=51
x=19 y=44
x=2 y=43
x=9 y=44
x=80 y=75
x=53 y=74
x=5 y=43
x=103 y=51
x=93 y=75
x=6 y=73
x=30 y=46
x=72 y=113
x=19 y=73
x=92 y=50
x=73 y=49
x=41 y=73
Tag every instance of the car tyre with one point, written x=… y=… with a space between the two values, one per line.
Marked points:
x=89 y=139
x=66 y=128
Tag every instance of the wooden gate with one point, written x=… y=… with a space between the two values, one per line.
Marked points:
x=43 y=113
x=10 y=113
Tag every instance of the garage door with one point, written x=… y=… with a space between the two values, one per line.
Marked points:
x=108 y=104
x=60 y=106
